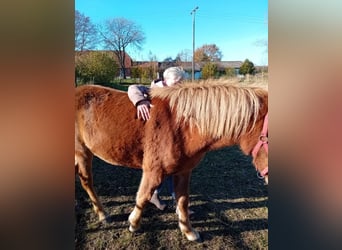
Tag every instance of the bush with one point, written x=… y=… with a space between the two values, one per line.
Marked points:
x=230 y=72
x=209 y=70
x=247 y=67
x=136 y=72
x=95 y=67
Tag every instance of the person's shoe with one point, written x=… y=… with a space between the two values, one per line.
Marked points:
x=155 y=201
x=190 y=212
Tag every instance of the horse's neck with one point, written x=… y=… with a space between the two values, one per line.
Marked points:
x=217 y=144
x=195 y=142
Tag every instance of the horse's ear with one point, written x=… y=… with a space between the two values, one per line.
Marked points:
x=263 y=97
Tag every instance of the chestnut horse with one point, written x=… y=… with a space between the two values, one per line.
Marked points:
x=187 y=120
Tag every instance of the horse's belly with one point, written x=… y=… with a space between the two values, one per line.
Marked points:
x=120 y=160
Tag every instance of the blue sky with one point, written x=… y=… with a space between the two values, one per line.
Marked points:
x=236 y=27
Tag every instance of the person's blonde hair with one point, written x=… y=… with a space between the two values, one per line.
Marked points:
x=173 y=75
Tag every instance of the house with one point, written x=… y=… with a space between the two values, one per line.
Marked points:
x=187 y=66
x=152 y=67
x=159 y=67
x=222 y=65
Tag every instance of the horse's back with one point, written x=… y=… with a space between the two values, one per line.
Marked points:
x=91 y=95
x=106 y=124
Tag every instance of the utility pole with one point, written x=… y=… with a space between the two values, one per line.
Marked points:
x=193 y=41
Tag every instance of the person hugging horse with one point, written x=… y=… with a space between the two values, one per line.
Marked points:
x=139 y=96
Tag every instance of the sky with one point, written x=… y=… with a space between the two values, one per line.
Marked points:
x=239 y=28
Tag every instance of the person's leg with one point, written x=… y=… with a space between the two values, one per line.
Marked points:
x=169 y=180
x=155 y=200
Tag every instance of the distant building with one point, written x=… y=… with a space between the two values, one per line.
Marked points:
x=222 y=65
x=160 y=67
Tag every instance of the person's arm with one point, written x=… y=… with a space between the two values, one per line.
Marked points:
x=138 y=94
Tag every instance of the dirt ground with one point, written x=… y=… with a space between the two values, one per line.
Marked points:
x=229 y=201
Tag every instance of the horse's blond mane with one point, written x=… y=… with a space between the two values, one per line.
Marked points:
x=218 y=108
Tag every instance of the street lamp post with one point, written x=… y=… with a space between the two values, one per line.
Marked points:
x=193 y=41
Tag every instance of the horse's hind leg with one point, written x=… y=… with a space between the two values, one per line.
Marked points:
x=149 y=182
x=181 y=186
x=83 y=162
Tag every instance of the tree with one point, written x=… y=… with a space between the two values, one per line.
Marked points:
x=230 y=72
x=118 y=34
x=209 y=70
x=169 y=60
x=152 y=69
x=247 y=67
x=85 y=33
x=136 y=73
x=208 y=53
x=184 y=56
x=95 y=67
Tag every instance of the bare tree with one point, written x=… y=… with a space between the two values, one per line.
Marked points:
x=85 y=33
x=262 y=43
x=117 y=34
x=184 y=56
x=208 y=53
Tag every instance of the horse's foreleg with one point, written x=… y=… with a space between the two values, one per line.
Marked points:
x=83 y=167
x=181 y=185
x=149 y=182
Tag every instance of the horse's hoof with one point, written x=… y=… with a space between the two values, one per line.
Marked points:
x=132 y=221
x=133 y=229
x=103 y=217
x=194 y=236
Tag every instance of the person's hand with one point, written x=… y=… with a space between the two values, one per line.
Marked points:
x=143 y=110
